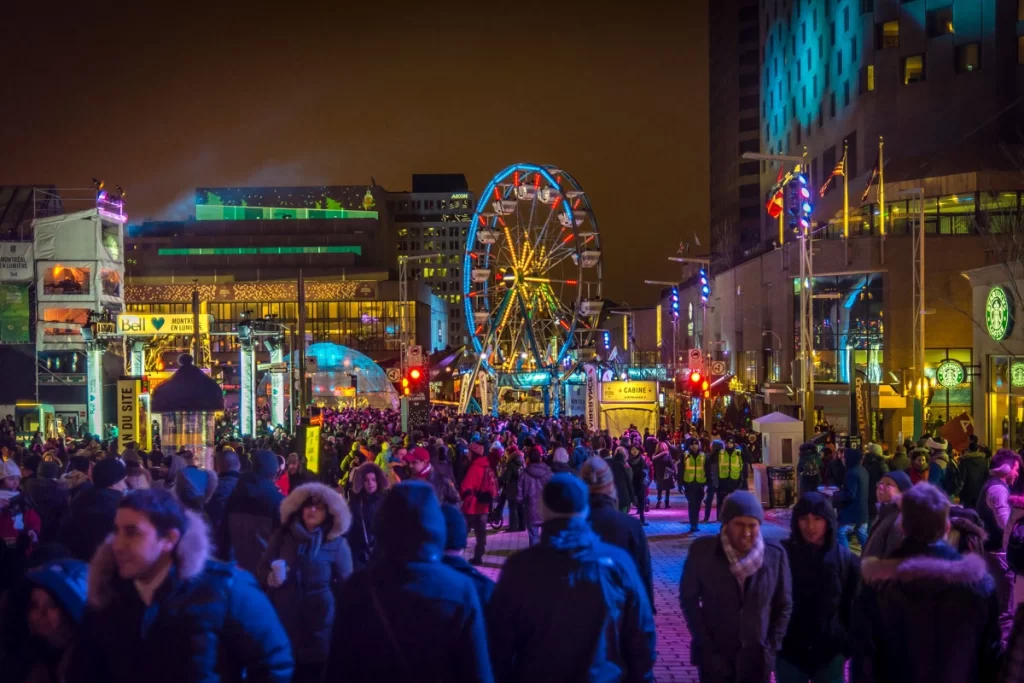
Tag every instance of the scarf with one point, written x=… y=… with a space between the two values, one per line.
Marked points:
x=743 y=567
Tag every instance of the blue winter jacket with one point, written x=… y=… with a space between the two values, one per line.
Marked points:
x=852 y=499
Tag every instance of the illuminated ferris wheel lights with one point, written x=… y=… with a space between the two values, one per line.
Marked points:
x=504 y=207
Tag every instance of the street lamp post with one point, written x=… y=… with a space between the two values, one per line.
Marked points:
x=917 y=297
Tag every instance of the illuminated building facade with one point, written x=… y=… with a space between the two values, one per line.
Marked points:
x=433 y=219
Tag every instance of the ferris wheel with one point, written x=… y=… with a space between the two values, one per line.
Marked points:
x=532 y=271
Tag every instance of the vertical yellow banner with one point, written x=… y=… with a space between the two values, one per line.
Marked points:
x=313 y=448
x=127 y=412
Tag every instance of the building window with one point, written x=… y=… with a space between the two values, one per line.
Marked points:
x=839 y=63
x=870 y=77
x=846 y=18
x=846 y=93
x=832 y=105
x=888 y=35
x=968 y=57
x=853 y=49
x=913 y=69
x=940 y=22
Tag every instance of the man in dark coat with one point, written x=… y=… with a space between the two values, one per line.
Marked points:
x=456 y=537
x=229 y=472
x=613 y=527
x=420 y=469
x=885 y=536
x=825 y=578
x=736 y=629
x=664 y=472
x=974 y=464
x=91 y=513
x=252 y=513
x=927 y=614
x=852 y=500
x=571 y=608
x=50 y=499
x=159 y=609
x=407 y=616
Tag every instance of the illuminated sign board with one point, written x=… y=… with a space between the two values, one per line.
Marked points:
x=950 y=373
x=128 y=391
x=999 y=313
x=629 y=392
x=160 y=325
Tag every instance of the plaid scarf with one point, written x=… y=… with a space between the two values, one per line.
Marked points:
x=743 y=567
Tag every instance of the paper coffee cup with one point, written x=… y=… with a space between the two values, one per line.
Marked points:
x=280 y=569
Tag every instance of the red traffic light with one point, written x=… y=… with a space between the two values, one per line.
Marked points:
x=695 y=377
x=415 y=373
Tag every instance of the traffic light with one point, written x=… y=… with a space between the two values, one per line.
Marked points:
x=674 y=302
x=705 y=287
x=414 y=382
x=705 y=387
x=696 y=382
x=800 y=206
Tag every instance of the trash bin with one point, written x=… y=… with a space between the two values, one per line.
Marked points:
x=781 y=486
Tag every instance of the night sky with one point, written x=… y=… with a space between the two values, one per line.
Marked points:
x=276 y=94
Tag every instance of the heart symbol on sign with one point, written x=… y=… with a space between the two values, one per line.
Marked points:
x=157 y=323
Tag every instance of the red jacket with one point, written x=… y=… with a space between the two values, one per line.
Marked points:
x=475 y=483
x=11 y=536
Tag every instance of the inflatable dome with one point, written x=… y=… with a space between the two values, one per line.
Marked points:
x=332 y=382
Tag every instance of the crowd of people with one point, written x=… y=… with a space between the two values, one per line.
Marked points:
x=125 y=565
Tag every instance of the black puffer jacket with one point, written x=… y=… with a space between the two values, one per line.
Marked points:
x=318 y=561
x=623 y=531
x=252 y=513
x=825 y=581
x=208 y=622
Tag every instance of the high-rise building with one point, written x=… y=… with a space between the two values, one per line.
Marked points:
x=734 y=103
x=432 y=220
x=939 y=80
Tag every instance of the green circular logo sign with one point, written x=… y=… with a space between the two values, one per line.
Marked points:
x=1017 y=374
x=950 y=373
x=999 y=313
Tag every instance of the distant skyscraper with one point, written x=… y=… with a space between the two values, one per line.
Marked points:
x=433 y=219
x=734 y=98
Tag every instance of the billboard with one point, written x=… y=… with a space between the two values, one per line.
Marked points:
x=14 y=314
x=128 y=390
x=153 y=325
x=16 y=262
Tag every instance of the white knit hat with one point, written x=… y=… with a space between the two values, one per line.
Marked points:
x=11 y=469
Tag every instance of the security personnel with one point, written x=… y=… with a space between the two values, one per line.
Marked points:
x=693 y=475
x=730 y=470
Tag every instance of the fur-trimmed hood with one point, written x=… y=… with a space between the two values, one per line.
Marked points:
x=190 y=556
x=943 y=568
x=360 y=474
x=336 y=506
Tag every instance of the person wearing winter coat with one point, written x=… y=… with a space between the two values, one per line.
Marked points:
x=641 y=478
x=421 y=469
x=927 y=614
x=229 y=471
x=623 y=479
x=995 y=510
x=835 y=468
x=408 y=617
x=369 y=486
x=479 y=490
x=76 y=478
x=729 y=473
x=509 y=482
x=49 y=498
x=825 y=579
x=693 y=475
x=614 y=527
x=91 y=513
x=939 y=461
x=195 y=487
x=160 y=609
x=455 y=544
x=852 y=500
x=560 y=461
x=531 y=484
x=919 y=466
x=546 y=592
x=310 y=543
x=736 y=597
x=900 y=461
x=974 y=465
x=885 y=535
x=664 y=472
x=252 y=513
x=41 y=623
x=808 y=468
x=580 y=453
x=876 y=467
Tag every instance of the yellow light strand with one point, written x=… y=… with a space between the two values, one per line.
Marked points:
x=511 y=248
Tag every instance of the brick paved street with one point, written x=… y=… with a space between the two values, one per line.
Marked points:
x=669 y=539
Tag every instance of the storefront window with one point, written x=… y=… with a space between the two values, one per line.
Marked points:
x=998 y=420
x=956 y=214
x=947 y=403
x=848 y=326
x=999 y=374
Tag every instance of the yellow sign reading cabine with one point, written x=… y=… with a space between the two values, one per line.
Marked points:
x=160 y=325
x=629 y=392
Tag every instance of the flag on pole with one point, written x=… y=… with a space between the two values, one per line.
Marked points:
x=840 y=169
x=774 y=205
x=871 y=181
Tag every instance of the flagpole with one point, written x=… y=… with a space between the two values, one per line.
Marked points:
x=846 y=206
x=782 y=222
x=881 y=194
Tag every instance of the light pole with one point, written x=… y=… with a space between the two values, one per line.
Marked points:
x=675 y=347
x=806 y=298
x=917 y=298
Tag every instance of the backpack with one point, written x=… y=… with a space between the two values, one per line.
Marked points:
x=488 y=490
x=1015 y=548
x=953 y=482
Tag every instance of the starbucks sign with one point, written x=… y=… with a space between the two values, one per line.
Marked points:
x=999 y=313
x=1017 y=374
x=950 y=373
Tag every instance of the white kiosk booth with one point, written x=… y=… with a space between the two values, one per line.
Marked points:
x=781 y=436
x=629 y=403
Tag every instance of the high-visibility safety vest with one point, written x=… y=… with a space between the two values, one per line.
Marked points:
x=693 y=468
x=730 y=464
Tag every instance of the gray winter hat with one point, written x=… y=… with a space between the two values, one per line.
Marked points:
x=742 y=504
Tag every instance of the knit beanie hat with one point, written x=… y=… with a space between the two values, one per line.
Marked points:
x=194 y=487
x=900 y=478
x=10 y=469
x=875 y=448
x=455 y=527
x=937 y=444
x=65 y=580
x=742 y=504
x=264 y=464
x=108 y=472
x=561 y=455
x=598 y=477
x=564 y=497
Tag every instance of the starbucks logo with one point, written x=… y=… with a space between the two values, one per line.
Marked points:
x=998 y=314
x=950 y=374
